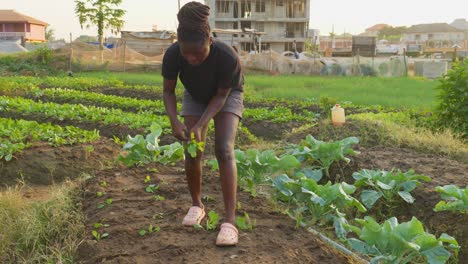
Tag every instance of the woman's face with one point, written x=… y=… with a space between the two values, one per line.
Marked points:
x=195 y=53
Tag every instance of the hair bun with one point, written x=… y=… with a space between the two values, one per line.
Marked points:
x=193 y=14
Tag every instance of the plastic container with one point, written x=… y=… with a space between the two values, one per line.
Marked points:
x=338 y=115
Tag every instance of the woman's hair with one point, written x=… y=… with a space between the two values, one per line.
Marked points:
x=193 y=23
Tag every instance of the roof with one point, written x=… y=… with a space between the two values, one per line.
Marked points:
x=460 y=23
x=431 y=28
x=14 y=16
x=377 y=27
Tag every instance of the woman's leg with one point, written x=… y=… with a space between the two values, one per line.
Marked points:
x=225 y=134
x=193 y=166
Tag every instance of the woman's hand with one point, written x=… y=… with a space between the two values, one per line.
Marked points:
x=197 y=131
x=179 y=130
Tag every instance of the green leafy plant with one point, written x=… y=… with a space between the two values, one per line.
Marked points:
x=151 y=229
x=159 y=198
x=324 y=153
x=103 y=184
x=318 y=203
x=152 y=188
x=245 y=223
x=407 y=242
x=387 y=184
x=455 y=199
x=452 y=110
x=98 y=236
x=193 y=146
x=143 y=150
x=212 y=220
x=100 y=194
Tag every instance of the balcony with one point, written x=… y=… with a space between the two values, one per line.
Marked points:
x=26 y=35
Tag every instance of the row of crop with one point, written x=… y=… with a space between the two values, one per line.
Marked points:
x=95 y=84
x=78 y=112
x=16 y=135
x=293 y=179
x=278 y=114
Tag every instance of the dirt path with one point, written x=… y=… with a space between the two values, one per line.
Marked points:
x=274 y=240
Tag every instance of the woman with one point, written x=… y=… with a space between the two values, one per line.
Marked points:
x=211 y=74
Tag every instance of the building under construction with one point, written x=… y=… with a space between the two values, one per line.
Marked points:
x=282 y=21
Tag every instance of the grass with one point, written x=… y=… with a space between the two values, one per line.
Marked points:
x=410 y=93
x=40 y=231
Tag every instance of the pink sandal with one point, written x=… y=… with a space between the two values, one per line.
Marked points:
x=228 y=235
x=194 y=216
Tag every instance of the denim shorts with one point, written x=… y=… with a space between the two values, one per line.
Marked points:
x=234 y=104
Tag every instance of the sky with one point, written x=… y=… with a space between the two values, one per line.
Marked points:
x=342 y=15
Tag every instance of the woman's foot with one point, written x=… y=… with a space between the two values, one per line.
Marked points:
x=228 y=235
x=194 y=216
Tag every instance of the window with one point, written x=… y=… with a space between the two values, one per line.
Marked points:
x=260 y=6
x=222 y=7
x=279 y=3
x=260 y=26
x=417 y=37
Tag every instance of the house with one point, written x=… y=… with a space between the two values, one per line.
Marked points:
x=283 y=21
x=375 y=29
x=14 y=26
x=148 y=43
x=435 y=37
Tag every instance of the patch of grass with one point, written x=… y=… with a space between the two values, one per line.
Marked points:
x=396 y=129
x=40 y=231
x=411 y=93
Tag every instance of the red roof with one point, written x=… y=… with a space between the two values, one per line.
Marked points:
x=11 y=16
x=377 y=27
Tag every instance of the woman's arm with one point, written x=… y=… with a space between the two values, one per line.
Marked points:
x=170 y=103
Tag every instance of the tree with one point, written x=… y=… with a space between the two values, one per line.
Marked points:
x=50 y=34
x=390 y=31
x=100 y=13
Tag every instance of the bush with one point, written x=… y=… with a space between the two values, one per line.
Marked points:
x=452 y=111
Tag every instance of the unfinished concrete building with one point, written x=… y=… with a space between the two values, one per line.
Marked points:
x=283 y=21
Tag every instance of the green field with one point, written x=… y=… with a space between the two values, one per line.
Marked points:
x=392 y=92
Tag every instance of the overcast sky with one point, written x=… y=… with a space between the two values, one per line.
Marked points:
x=350 y=16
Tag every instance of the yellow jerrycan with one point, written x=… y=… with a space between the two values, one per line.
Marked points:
x=338 y=115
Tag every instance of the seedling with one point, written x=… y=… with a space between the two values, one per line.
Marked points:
x=98 y=236
x=244 y=223
x=151 y=229
x=100 y=225
x=109 y=201
x=103 y=184
x=158 y=216
x=99 y=194
x=212 y=221
x=208 y=198
x=159 y=198
x=239 y=206
x=147 y=179
x=198 y=227
x=151 y=188
x=193 y=146
x=106 y=203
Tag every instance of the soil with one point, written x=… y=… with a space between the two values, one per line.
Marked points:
x=273 y=240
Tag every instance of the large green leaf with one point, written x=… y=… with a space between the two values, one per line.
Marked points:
x=369 y=197
x=406 y=196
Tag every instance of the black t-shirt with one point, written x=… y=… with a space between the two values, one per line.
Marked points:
x=221 y=69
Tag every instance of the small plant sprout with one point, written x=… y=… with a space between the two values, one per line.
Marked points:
x=198 y=227
x=100 y=225
x=151 y=229
x=159 y=198
x=158 y=216
x=239 y=205
x=147 y=179
x=103 y=184
x=109 y=201
x=245 y=223
x=99 y=194
x=193 y=146
x=212 y=221
x=151 y=188
x=98 y=236
x=208 y=198
x=100 y=206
